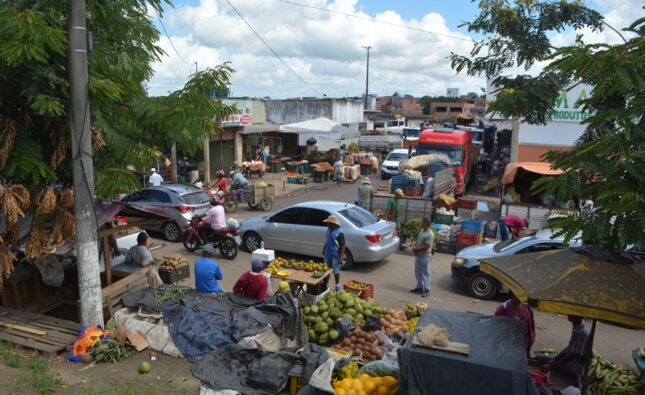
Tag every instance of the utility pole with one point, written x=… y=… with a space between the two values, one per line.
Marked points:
x=367 y=77
x=89 y=278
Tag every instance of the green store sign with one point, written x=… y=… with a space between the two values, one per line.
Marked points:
x=568 y=107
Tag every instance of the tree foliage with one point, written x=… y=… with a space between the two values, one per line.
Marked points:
x=607 y=163
x=129 y=128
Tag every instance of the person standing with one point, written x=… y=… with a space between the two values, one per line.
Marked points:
x=140 y=255
x=334 y=248
x=183 y=168
x=155 y=179
x=365 y=194
x=338 y=170
x=207 y=273
x=513 y=308
x=392 y=214
x=512 y=223
x=253 y=284
x=423 y=258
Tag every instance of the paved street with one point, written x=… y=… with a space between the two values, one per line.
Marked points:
x=394 y=277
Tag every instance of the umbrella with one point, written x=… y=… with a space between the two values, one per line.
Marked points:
x=568 y=282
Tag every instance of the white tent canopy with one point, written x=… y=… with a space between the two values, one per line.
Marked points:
x=320 y=127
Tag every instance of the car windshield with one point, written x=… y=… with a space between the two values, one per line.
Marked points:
x=359 y=217
x=502 y=245
x=396 y=156
x=195 y=198
x=454 y=152
x=410 y=132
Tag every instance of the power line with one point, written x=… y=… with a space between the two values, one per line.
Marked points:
x=367 y=18
x=272 y=51
x=170 y=39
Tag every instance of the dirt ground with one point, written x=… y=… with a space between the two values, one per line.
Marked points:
x=392 y=278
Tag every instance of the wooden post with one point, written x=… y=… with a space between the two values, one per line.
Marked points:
x=207 y=161
x=173 y=154
x=106 y=259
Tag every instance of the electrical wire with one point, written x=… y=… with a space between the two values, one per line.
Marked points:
x=367 y=18
x=272 y=51
x=170 y=39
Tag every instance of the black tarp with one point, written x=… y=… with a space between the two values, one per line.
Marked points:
x=252 y=371
x=496 y=364
x=200 y=323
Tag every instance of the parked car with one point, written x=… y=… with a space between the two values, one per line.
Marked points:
x=300 y=229
x=465 y=266
x=177 y=203
x=390 y=166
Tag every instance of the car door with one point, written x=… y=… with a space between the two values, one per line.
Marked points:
x=313 y=232
x=282 y=230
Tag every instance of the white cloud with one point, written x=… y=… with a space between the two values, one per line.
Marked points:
x=325 y=49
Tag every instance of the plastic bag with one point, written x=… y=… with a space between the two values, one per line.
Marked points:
x=372 y=323
x=344 y=326
x=381 y=368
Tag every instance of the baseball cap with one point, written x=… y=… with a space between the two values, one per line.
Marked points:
x=257 y=265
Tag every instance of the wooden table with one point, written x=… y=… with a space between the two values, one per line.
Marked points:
x=302 y=278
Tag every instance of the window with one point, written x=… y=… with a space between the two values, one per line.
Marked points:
x=195 y=198
x=454 y=152
x=541 y=247
x=396 y=156
x=292 y=215
x=315 y=217
x=441 y=109
x=455 y=109
x=139 y=196
x=359 y=217
x=158 y=196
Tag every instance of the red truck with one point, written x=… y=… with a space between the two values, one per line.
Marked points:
x=457 y=145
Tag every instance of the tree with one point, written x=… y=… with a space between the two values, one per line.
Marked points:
x=606 y=165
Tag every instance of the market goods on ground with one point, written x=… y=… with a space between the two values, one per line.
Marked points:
x=606 y=377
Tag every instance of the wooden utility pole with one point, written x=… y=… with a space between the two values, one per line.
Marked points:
x=367 y=78
x=87 y=251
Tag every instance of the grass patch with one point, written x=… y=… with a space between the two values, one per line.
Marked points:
x=44 y=381
x=9 y=355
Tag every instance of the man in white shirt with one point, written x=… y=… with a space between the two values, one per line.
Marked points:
x=140 y=255
x=155 y=179
x=216 y=217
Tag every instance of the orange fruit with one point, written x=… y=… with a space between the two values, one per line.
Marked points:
x=377 y=380
x=389 y=381
x=364 y=377
x=361 y=392
x=341 y=391
x=346 y=384
x=369 y=386
x=382 y=390
x=351 y=392
x=357 y=384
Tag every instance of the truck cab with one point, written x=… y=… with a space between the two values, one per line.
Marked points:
x=411 y=136
x=394 y=126
x=456 y=145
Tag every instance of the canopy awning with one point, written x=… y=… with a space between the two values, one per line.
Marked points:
x=260 y=128
x=536 y=167
x=320 y=127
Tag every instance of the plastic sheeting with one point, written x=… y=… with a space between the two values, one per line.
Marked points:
x=153 y=328
x=496 y=363
x=252 y=371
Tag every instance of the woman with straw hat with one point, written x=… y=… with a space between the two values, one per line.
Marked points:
x=365 y=194
x=334 y=249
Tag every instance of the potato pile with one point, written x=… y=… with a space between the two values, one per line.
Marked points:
x=393 y=322
x=172 y=263
x=362 y=344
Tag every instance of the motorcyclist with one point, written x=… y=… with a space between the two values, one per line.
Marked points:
x=222 y=185
x=216 y=217
x=238 y=182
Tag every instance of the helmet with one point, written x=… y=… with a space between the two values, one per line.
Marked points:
x=232 y=223
x=219 y=173
x=215 y=202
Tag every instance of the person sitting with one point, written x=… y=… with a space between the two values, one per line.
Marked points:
x=216 y=217
x=222 y=184
x=513 y=308
x=207 y=273
x=140 y=255
x=572 y=359
x=253 y=284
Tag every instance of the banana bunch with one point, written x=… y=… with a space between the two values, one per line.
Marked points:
x=414 y=310
x=607 y=377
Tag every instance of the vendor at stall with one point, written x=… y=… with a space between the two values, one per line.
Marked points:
x=512 y=224
x=253 y=284
x=515 y=309
x=334 y=248
x=140 y=255
x=392 y=214
x=207 y=273
x=365 y=194
x=572 y=359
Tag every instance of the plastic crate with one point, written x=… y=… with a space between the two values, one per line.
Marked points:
x=468 y=239
x=445 y=247
x=171 y=277
x=413 y=191
x=400 y=180
x=397 y=186
x=469 y=204
x=365 y=170
x=319 y=176
x=472 y=226
x=445 y=219
x=293 y=180
x=466 y=213
x=362 y=293
x=413 y=182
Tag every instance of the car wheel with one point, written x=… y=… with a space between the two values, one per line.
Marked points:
x=482 y=286
x=348 y=261
x=171 y=231
x=252 y=241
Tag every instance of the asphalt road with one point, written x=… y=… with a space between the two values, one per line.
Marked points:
x=394 y=277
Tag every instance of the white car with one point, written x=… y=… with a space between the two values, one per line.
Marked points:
x=390 y=166
x=465 y=266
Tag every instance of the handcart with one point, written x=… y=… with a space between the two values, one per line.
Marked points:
x=261 y=197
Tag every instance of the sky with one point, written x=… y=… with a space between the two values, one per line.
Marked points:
x=321 y=44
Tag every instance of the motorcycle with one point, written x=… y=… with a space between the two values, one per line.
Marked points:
x=226 y=240
x=227 y=199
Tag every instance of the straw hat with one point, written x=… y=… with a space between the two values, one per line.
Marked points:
x=366 y=180
x=399 y=192
x=332 y=220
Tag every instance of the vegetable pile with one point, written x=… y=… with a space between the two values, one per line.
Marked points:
x=172 y=263
x=393 y=322
x=366 y=384
x=606 y=377
x=362 y=344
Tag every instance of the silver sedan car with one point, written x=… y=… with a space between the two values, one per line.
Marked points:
x=299 y=229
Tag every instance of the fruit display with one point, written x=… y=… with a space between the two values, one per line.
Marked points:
x=171 y=263
x=322 y=317
x=349 y=370
x=606 y=377
x=393 y=322
x=366 y=384
x=309 y=266
x=362 y=344
x=414 y=310
x=323 y=166
x=378 y=213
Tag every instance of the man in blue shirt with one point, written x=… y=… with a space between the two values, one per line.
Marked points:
x=334 y=249
x=239 y=182
x=207 y=272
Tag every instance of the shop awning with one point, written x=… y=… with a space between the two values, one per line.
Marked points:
x=320 y=127
x=260 y=128
x=535 y=167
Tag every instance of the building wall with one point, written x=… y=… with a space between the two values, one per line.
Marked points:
x=533 y=153
x=291 y=111
x=445 y=110
x=555 y=134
